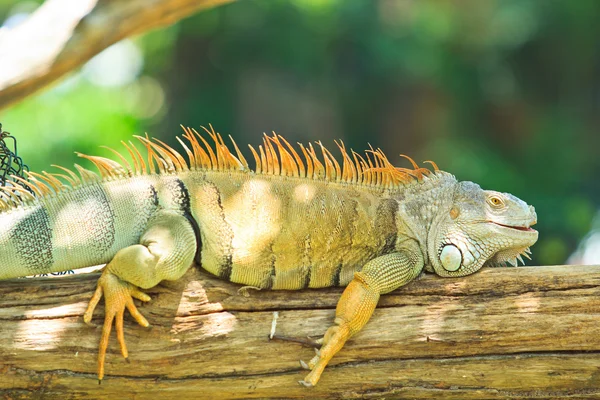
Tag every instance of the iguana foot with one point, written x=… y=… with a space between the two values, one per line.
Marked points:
x=311 y=364
x=334 y=339
x=118 y=295
x=245 y=290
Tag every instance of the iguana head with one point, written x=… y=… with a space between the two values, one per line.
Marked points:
x=482 y=227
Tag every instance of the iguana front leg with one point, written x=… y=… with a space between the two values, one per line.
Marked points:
x=378 y=276
x=166 y=251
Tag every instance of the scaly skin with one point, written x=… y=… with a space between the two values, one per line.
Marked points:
x=291 y=224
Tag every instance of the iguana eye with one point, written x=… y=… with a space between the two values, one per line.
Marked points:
x=495 y=201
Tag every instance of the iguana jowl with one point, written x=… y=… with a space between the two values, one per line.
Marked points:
x=298 y=221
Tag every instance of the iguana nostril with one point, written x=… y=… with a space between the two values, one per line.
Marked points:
x=533 y=215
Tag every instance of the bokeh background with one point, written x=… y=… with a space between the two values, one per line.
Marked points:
x=505 y=93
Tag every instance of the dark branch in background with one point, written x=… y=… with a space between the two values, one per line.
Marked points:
x=60 y=36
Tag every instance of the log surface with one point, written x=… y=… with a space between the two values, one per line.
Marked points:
x=501 y=333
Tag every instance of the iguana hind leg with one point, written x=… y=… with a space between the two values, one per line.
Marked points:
x=380 y=275
x=166 y=251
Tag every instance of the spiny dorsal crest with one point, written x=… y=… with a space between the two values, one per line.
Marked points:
x=276 y=156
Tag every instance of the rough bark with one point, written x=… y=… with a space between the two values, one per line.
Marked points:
x=61 y=35
x=500 y=333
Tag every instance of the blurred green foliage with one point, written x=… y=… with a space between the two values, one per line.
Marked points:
x=502 y=92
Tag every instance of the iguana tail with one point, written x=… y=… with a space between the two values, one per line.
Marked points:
x=77 y=227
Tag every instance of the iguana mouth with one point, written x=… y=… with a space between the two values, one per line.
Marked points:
x=517 y=227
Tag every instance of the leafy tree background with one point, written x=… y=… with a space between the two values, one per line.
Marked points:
x=502 y=92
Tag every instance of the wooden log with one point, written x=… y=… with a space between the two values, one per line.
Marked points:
x=62 y=35
x=500 y=333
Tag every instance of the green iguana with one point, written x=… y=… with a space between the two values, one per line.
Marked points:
x=297 y=221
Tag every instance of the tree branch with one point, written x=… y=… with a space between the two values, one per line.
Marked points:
x=61 y=35
x=511 y=332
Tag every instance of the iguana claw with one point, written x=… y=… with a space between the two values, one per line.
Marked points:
x=118 y=295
